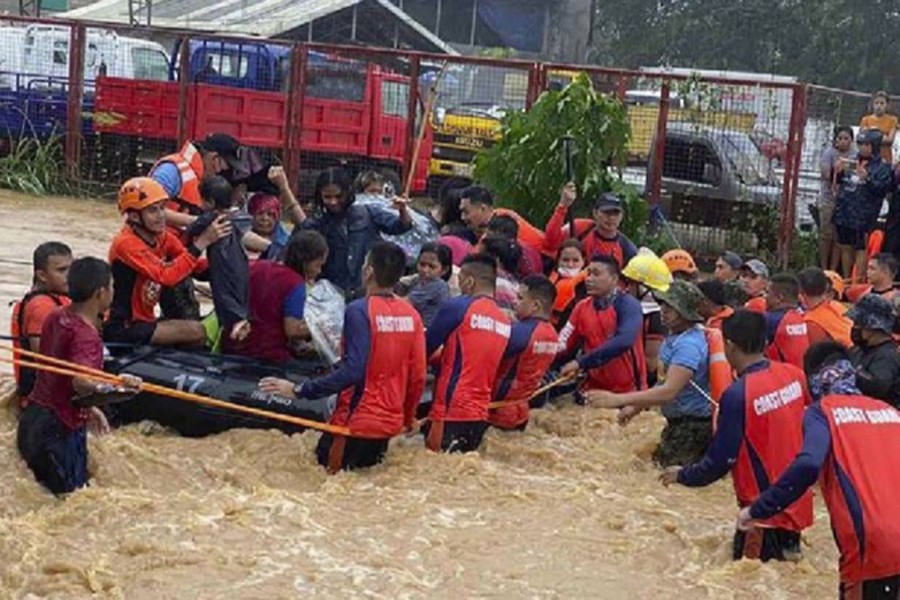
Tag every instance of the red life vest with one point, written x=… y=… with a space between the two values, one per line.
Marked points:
x=860 y=483
x=625 y=373
x=791 y=341
x=775 y=398
x=395 y=372
x=468 y=364
x=521 y=375
x=190 y=166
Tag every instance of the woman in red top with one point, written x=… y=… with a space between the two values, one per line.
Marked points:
x=278 y=300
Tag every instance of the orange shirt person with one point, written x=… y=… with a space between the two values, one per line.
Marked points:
x=883 y=122
x=714 y=307
x=147 y=257
x=824 y=320
x=49 y=291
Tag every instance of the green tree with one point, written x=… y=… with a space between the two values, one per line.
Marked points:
x=526 y=167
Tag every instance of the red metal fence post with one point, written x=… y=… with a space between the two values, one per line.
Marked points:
x=535 y=85
x=659 y=150
x=184 y=81
x=293 y=136
x=411 y=114
x=791 y=168
x=75 y=97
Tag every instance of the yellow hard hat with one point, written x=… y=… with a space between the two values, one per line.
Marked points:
x=648 y=269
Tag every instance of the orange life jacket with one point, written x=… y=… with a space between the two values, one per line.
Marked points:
x=190 y=166
x=832 y=320
x=720 y=373
x=25 y=377
x=565 y=294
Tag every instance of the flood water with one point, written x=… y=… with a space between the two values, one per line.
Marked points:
x=570 y=509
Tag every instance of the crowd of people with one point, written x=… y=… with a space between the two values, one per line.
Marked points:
x=764 y=375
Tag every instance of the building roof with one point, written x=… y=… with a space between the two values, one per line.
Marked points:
x=266 y=18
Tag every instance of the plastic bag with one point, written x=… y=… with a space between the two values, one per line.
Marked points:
x=324 y=315
x=423 y=229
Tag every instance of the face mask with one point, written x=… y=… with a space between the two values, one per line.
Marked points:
x=568 y=272
x=856 y=336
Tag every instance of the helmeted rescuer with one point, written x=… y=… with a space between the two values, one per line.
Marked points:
x=146 y=257
x=681 y=264
x=645 y=274
x=758 y=434
x=848 y=442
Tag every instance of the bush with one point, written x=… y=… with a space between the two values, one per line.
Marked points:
x=525 y=169
x=35 y=167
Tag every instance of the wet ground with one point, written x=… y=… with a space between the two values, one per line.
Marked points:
x=570 y=509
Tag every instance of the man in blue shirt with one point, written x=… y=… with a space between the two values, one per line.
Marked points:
x=683 y=388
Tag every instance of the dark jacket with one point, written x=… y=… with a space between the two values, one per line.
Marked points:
x=858 y=204
x=350 y=235
x=878 y=372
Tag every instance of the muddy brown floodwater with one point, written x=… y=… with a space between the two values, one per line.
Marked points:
x=570 y=509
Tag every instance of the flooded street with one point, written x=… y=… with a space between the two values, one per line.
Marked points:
x=570 y=509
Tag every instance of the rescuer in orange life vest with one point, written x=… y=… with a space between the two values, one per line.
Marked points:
x=758 y=435
x=180 y=174
x=785 y=324
x=848 y=443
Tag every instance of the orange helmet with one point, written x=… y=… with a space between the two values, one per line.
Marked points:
x=679 y=260
x=837 y=283
x=139 y=193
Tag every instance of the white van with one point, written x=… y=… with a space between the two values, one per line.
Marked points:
x=38 y=57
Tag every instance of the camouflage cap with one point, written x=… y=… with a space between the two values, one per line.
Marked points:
x=685 y=298
x=873 y=312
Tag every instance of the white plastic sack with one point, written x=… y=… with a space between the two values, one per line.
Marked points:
x=324 y=315
x=422 y=232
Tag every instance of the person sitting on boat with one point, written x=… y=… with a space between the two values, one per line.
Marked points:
x=49 y=291
x=381 y=376
x=147 y=258
x=351 y=229
x=278 y=300
x=52 y=435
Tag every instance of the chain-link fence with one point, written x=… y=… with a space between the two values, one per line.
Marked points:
x=724 y=159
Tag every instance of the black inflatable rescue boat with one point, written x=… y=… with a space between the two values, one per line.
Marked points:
x=229 y=378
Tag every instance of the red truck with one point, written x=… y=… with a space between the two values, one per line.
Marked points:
x=354 y=114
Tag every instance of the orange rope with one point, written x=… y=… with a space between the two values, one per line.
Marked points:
x=76 y=370
x=538 y=392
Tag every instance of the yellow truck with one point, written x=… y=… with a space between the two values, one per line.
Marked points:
x=464 y=125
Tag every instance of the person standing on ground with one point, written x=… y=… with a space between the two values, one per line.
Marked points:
x=49 y=291
x=381 y=375
x=683 y=390
x=758 y=435
x=875 y=354
x=884 y=123
x=862 y=188
x=849 y=442
x=881 y=274
x=830 y=164
x=52 y=433
x=645 y=274
x=786 y=329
